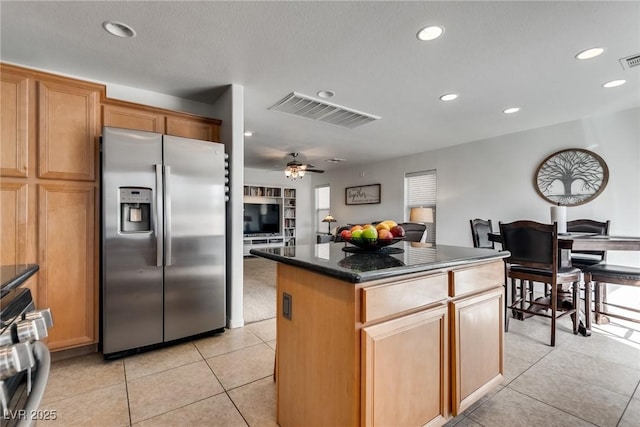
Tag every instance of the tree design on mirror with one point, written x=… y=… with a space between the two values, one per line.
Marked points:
x=571 y=177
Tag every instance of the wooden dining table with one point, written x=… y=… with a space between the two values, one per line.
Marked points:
x=587 y=242
x=590 y=242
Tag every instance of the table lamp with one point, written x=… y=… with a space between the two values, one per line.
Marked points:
x=329 y=219
x=422 y=216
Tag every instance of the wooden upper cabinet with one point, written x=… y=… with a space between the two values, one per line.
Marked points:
x=132 y=118
x=14 y=123
x=69 y=121
x=203 y=129
x=129 y=115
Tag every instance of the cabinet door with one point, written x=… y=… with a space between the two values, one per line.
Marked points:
x=194 y=128
x=477 y=347
x=67 y=258
x=13 y=217
x=132 y=118
x=406 y=370
x=14 y=121
x=68 y=125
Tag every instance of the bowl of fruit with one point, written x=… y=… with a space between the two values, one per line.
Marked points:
x=373 y=237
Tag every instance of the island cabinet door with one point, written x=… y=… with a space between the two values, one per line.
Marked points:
x=405 y=370
x=477 y=347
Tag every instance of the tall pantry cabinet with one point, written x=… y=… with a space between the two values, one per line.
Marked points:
x=49 y=194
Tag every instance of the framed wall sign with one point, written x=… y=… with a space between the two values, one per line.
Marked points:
x=362 y=195
x=571 y=177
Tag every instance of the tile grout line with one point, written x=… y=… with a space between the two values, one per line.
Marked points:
x=628 y=403
x=126 y=387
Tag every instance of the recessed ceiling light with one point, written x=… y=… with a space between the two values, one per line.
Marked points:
x=430 y=33
x=590 y=53
x=326 y=93
x=511 y=110
x=614 y=83
x=248 y=133
x=118 y=29
x=449 y=97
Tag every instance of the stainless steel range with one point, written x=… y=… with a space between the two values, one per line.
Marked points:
x=24 y=360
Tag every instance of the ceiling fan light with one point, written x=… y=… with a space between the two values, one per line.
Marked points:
x=287 y=172
x=301 y=173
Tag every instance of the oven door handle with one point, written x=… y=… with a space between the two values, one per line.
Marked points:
x=43 y=359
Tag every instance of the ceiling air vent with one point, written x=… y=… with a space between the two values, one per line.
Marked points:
x=630 y=61
x=314 y=109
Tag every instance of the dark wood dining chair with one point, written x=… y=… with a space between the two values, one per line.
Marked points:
x=480 y=229
x=604 y=273
x=585 y=259
x=534 y=258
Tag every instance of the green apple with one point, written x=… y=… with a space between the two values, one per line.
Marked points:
x=369 y=233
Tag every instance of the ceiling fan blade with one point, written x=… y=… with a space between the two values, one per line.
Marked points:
x=314 y=170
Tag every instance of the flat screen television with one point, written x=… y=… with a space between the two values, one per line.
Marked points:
x=262 y=219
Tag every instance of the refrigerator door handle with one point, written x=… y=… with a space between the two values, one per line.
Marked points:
x=167 y=212
x=157 y=220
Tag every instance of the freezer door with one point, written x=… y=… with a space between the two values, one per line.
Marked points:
x=195 y=237
x=132 y=294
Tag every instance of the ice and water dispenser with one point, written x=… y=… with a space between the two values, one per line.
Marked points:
x=135 y=209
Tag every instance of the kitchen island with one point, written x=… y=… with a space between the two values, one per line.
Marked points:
x=411 y=335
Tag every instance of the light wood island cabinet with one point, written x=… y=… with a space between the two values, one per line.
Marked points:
x=379 y=348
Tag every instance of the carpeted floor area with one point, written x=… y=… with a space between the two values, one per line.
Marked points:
x=259 y=289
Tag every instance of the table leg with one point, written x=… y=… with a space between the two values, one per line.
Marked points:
x=587 y=310
x=601 y=300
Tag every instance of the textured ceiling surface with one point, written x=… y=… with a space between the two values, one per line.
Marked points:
x=494 y=54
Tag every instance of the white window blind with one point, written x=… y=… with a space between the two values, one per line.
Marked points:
x=323 y=200
x=421 y=191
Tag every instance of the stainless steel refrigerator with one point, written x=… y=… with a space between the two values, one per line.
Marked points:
x=163 y=239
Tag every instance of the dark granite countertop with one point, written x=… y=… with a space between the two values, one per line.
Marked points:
x=12 y=276
x=330 y=259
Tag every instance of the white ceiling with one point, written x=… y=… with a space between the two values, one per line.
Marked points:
x=494 y=54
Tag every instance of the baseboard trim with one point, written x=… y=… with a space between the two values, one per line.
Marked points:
x=235 y=323
x=73 y=352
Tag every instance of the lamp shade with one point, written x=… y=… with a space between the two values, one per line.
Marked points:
x=329 y=219
x=423 y=215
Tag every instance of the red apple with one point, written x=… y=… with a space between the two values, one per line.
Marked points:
x=345 y=234
x=385 y=234
x=397 y=231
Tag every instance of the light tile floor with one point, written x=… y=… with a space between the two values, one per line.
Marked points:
x=226 y=380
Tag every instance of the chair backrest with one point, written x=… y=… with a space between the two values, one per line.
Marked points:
x=531 y=244
x=413 y=231
x=480 y=230
x=589 y=226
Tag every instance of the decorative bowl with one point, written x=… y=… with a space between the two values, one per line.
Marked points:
x=373 y=244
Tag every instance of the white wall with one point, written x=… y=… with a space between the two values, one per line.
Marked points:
x=493 y=178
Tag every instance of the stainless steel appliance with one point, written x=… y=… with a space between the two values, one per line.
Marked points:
x=163 y=239
x=24 y=360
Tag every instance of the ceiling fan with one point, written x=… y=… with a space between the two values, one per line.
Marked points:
x=296 y=169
